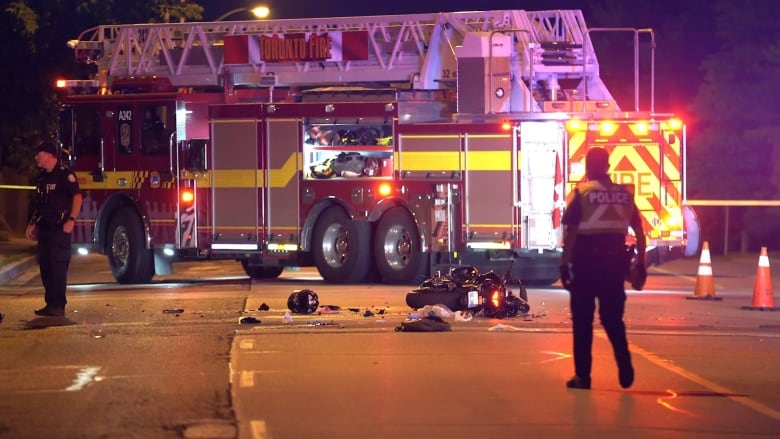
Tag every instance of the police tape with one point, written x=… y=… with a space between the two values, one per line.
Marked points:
x=15 y=186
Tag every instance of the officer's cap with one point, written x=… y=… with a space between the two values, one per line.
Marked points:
x=597 y=162
x=49 y=147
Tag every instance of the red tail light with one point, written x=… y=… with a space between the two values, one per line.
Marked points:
x=495 y=298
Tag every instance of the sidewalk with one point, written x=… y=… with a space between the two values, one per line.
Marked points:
x=17 y=255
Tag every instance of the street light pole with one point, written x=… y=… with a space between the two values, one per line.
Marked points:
x=259 y=12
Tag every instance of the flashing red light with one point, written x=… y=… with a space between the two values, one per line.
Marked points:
x=385 y=189
x=187 y=197
x=506 y=126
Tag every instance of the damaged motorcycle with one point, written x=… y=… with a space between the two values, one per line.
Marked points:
x=464 y=288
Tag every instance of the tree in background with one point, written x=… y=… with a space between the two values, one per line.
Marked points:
x=178 y=10
x=737 y=123
x=682 y=32
x=34 y=35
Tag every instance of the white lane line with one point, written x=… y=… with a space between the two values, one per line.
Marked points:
x=704 y=382
x=247 y=378
x=259 y=430
x=84 y=377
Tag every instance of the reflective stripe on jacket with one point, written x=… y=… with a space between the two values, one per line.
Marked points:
x=606 y=208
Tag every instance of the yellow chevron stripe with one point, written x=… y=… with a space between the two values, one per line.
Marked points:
x=281 y=177
x=576 y=142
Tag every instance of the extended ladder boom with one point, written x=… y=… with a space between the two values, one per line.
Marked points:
x=418 y=49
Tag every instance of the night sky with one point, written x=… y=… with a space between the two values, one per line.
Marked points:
x=320 y=8
x=674 y=97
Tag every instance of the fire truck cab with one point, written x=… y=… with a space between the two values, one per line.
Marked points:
x=379 y=148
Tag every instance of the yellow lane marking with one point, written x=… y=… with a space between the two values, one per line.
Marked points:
x=709 y=385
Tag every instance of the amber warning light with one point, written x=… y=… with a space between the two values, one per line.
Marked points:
x=76 y=83
x=385 y=189
x=187 y=197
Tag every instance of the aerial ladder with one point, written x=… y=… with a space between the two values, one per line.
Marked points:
x=537 y=56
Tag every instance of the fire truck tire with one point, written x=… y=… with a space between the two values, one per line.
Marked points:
x=258 y=272
x=131 y=262
x=397 y=252
x=341 y=247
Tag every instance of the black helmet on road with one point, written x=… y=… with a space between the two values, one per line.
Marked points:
x=303 y=301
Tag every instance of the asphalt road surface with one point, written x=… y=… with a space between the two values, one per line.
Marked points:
x=171 y=359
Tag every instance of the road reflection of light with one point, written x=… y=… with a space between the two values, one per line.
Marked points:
x=556 y=356
x=673 y=395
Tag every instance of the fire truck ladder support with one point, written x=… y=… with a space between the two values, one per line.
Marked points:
x=417 y=50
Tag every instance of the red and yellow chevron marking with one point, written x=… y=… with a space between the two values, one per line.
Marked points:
x=635 y=159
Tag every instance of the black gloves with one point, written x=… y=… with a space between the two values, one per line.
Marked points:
x=638 y=276
x=565 y=276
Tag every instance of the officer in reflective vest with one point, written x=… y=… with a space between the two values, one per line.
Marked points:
x=594 y=263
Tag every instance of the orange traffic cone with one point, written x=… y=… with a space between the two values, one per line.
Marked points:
x=763 y=294
x=705 y=283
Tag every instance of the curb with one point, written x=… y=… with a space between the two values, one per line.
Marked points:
x=15 y=269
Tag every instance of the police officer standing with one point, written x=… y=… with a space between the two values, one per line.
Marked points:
x=594 y=264
x=54 y=209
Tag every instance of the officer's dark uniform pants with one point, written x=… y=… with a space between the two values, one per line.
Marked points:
x=54 y=252
x=598 y=276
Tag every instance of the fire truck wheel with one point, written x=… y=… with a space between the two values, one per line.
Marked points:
x=397 y=248
x=131 y=262
x=258 y=272
x=341 y=247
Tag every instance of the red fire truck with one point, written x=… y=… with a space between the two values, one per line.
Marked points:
x=378 y=148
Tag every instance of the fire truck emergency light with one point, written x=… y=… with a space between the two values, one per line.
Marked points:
x=673 y=221
x=576 y=125
x=76 y=83
x=607 y=128
x=674 y=124
x=641 y=128
x=385 y=189
x=187 y=197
